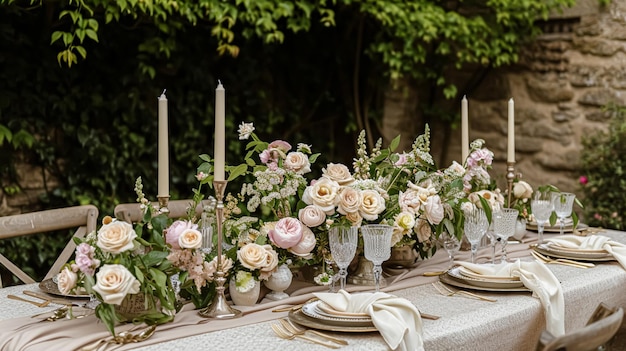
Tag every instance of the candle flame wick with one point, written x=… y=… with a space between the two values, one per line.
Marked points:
x=163 y=93
x=219 y=82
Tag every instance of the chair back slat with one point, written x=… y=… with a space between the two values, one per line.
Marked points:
x=82 y=218
x=132 y=212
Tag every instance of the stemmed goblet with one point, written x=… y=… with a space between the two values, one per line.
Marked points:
x=541 y=206
x=343 y=242
x=451 y=244
x=475 y=227
x=563 y=203
x=504 y=221
x=377 y=246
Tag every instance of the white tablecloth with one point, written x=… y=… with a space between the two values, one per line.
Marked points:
x=514 y=322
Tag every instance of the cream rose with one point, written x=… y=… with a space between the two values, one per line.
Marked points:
x=349 y=200
x=405 y=220
x=322 y=194
x=66 y=281
x=311 y=216
x=114 y=282
x=271 y=262
x=116 y=237
x=493 y=199
x=372 y=204
x=286 y=233
x=306 y=244
x=433 y=209
x=252 y=256
x=397 y=235
x=174 y=231
x=297 y=162
x=423 y=230
x=339 y=173
x=410 y=201
x=354 y=218
x=522 y=190
x=190 y=239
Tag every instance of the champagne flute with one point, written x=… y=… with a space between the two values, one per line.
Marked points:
x=563 y=203
x=343 y=242
x=541 y=206
x=475 y=227
x=377 y=246
x=504 y=221
x=451 y=244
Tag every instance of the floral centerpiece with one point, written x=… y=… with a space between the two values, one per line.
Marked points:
x=119 y=262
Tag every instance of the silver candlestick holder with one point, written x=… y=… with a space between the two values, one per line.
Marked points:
x=219 y=307
x=510 y=177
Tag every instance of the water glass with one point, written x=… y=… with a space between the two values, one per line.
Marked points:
x=377 y=246
x=343 y=242
x=475 y=227
x=541 y=207
x=206 y=229
x=563 y=203
x=451 y=244
x=504 y=222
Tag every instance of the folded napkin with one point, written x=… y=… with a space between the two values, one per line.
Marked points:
x=536 y=277
x=592 y=242
x=397 y=319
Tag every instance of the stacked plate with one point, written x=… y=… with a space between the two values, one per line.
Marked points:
x=547 y=228
x=465 y=278
x=572 y=253
x=319 y=315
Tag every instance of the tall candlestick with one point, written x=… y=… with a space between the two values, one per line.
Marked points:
x=464 y=130
x=511 y=133
x=164 y=169
x=220 y=144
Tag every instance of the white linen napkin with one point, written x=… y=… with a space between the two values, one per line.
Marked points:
x=592 y=242
x=536 y=277
x=397 y=319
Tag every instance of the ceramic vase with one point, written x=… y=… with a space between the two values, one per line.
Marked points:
x=247 y=298
x=278 y=282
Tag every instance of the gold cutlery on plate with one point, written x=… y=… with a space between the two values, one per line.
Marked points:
x=563 y=261
x=125 y=337
x=444 y=290
x=288 y=325
x=282 y=333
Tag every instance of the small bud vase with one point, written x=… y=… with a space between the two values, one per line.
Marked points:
x=278 y=282
x=248 y=298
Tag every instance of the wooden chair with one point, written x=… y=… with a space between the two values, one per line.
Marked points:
x=132 y=212
x=84 y=218
x=600 y=328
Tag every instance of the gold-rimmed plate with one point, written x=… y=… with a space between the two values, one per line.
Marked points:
x=312 y=310
x=464 y=271
x=324 y=308
x=300 y=318
x=447 y=279
x=547 y=228
x=572 y=254
x=49 y=286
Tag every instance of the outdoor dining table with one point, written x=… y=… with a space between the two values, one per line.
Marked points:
x=513 y=322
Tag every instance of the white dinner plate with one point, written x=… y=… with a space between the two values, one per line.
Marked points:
x=311 y=310
x=471 y=274
x=447 y=279
x=484 y=283
x=299 y=317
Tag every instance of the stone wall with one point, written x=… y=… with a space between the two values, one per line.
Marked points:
x=33 y=182
x=559 y=87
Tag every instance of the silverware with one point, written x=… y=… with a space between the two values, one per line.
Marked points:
x=51 y=299
x=563 y=261
x=444 y=290
x=125 y=337
x=285 y=334
x=38 y=304
x=288 y=325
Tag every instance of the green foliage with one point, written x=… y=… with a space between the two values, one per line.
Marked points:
x=603 y=160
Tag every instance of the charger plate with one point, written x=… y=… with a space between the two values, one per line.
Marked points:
x=312 y=310
x=584 y=255
x=484 y=282
x=49 y=286
x=300 y=318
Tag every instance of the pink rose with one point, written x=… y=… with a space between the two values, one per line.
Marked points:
x=583 y=180
x=280 y=145
x=286 y=233
x=265 y=156
x=175 y=230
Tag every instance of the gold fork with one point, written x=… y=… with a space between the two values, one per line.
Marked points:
x=449 y=292
x=284 y=334
x=38 y=304
x=299 y=331
x=563 y=261
x=125 y=337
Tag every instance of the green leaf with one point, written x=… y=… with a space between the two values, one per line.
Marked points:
x=394 y=143
x=235 y=172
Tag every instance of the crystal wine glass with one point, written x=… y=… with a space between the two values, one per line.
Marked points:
x=343 y=242
x=475 y=227
x=207 y=233
x=541 y=206
x=563 y=203
x=377 y=246
x=451 y=244
x=504 y=221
